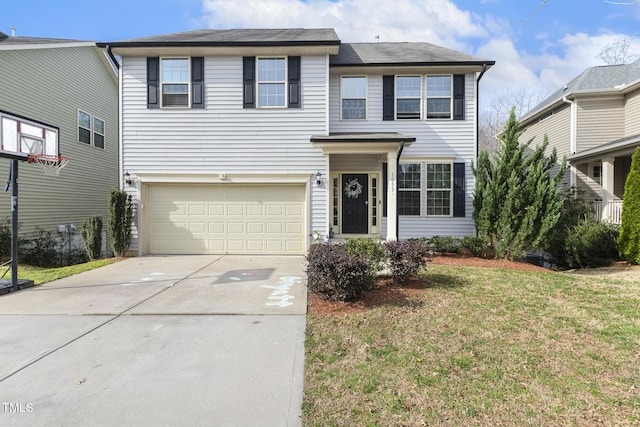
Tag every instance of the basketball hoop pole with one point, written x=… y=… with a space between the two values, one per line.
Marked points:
x=14 y=224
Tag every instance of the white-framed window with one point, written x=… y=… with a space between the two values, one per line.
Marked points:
x=439 y=97
x=84 y=127
x=272 y=82
x=408 y=97
x=439 y=188
x=410 y=189
x=98 y=132
x=174 y=82
x=353 y=97
x=425 y=189
x=91 y=129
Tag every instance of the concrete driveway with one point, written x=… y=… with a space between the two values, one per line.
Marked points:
x=158 y=341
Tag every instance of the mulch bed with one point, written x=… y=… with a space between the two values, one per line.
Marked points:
x=385 y=293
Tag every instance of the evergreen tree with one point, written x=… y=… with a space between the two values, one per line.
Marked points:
x=629 y=239
x=120 y=221
x=517 y=200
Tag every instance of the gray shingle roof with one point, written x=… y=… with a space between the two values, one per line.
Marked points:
x=6 y=40
x=600 y=78
x=237 y=37
x=354 y=54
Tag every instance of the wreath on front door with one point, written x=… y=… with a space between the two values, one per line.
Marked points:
x=353 y=189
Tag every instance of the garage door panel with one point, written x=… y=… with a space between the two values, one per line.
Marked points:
x=235 y=219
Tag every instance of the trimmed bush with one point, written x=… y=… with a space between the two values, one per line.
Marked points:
x=335 y=275
x=406 y=257
x=591 y=243
x=367 y=247
x=476 y=245
x=92 y=236
x=41 y=250
x=445 y=244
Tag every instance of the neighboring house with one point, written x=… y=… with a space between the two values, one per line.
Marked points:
x=595 y=122
x=260 y=141
x=73 y=86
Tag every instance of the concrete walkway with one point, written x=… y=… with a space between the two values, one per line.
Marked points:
x=158 y=341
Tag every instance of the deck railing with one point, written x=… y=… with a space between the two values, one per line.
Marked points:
x=611 y=213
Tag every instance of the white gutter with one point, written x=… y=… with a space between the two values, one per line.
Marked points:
x=573 y=136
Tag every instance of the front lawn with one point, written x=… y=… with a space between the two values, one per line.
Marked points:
x=480 y=346
x=41 y=275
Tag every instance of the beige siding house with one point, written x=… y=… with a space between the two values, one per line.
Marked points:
x=595 y=122
x=73 y=86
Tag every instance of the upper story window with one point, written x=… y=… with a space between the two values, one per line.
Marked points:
x=90 y=129
x=98 y=132
x=84 y=127
x=271 y=82
x=423 y=97
x=353 y=94
x=175 y=82
x=439 y=95
x=174 y=75
x=408 y=96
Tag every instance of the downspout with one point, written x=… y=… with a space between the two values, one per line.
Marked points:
x=400 y=149
x=484 y=69
x=573 y=141
x=113 y=58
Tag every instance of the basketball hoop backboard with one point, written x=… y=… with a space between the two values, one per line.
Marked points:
x=21 y=137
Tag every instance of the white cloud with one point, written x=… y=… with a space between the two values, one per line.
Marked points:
x=436 y=21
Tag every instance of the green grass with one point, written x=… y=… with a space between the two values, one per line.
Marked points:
x=481 y=346
x=43 y=275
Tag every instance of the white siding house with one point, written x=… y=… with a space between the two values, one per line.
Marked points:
x=233 y=141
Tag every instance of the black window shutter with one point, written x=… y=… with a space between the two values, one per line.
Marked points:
x=153 y=82
x=388 y=84
x=294 y=82
x=458 y=190
x=197 y=82
x=249 y=81
x=458 y=97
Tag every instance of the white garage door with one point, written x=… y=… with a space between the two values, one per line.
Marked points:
x=221 y=219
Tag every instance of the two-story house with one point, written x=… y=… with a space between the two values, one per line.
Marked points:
x=594 y=120
x=73 y=86
x=259 y=141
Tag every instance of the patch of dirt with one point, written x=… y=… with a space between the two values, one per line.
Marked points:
x=619 y=270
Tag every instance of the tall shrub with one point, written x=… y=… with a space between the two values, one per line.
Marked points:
x=629 y=239
x=517 y=200
x=120 y=221
x=92 y=235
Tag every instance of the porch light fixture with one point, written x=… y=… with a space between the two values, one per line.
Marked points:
x=318 y=179
x=127 y=178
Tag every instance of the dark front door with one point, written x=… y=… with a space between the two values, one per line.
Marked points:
x=355 y=204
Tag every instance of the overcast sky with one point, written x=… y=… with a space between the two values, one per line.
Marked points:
x=537 y=44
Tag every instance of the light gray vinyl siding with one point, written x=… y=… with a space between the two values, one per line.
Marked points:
x=435 y=139
x=599 y=121
x=50 y=85
x=223 y=137
x=632 y=114
x=557 y=127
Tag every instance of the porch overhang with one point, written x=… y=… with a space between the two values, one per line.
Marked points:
x=361 y=143
x=619 y=147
